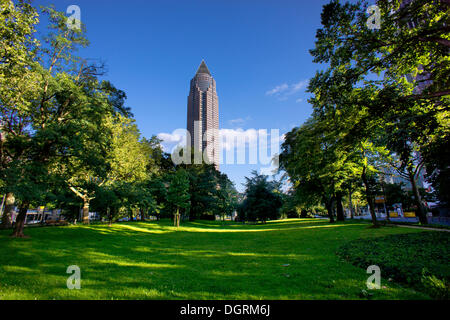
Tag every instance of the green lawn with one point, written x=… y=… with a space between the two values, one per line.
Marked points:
x=202 y=260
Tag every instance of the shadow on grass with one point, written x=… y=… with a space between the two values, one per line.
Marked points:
x=151 y=260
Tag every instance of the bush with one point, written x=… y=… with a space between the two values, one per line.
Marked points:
x=262 y=200
x=420 y=260
x=435 y=287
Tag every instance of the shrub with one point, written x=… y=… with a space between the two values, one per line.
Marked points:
x=435 y=287
x=420 y=260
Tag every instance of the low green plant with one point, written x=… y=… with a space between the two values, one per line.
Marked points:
x=435 y=287
x=420 y=260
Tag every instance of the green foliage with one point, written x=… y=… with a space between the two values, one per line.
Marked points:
x=227 y=196
x=365 y=113
x=62 y=129
x=389 y=86
x=319 y=167
x=437 y=288
x=211 y=192
x=203 y=186
x=404 y=257
x=178 y=192
x=262 y=199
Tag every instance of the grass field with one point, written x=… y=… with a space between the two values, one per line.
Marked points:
x=290 y=259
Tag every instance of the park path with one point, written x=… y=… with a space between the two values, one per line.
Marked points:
x=417 y=227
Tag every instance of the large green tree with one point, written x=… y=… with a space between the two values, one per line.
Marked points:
x=262 y=200
x=17 y=87
x=178 y=193
x=395 y=76
x=53 y=132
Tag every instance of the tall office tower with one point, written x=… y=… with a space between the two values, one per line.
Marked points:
x=203 y=115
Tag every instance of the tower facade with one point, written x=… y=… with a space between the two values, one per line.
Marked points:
x=203 y=115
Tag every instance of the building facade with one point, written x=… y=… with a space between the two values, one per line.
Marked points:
x=203 y=116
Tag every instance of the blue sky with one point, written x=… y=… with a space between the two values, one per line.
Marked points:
x=258 y=52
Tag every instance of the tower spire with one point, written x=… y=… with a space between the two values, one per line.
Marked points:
x=203 y=68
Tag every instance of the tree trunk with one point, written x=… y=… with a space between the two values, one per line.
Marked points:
x=339 y=208
x=112 y=214
x=350 y=203
x=42 y=215
x=2 y=205
x=142 y=215
x=418 y=199
x=130 y=215
x=329 y=207
x=176 y=219
x=85 y=216
x=20 y=220
x=9 y=209
x=369 y=198
x=384 y=204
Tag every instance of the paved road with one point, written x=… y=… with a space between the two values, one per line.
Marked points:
x=417 y=227
x=402 y=219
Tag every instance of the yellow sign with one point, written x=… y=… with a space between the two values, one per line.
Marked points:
x=379 y=199
x=409 y=214
x=393 y=214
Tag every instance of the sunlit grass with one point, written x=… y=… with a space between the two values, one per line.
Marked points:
x=291 y=259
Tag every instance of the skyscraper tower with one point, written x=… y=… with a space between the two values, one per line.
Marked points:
x=203 y=115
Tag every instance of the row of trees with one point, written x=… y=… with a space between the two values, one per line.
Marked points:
x=68 y=141
x=382 y=103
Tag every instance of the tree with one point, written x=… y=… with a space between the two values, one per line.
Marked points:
x=17 y=87
x=227 y=197
x=157 y=188
x=262 y=199
x=178 y=193
x=411 y=171
x=317 y=165
x=410 y=50
x=436 y=160
x=203 y=189
x=56 y=132
x=290 y=207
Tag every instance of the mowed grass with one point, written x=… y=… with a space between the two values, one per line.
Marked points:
x=290 y=259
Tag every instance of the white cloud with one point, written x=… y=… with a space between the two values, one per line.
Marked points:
x=271 y=170
x=268 y=171
x=298 y=86
x=170 y=137
x=231 y=138
x=299 y=100
x=236 y=121
x=283 y=91
x=278 y=89
x=237 y=142
x=171 y=140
